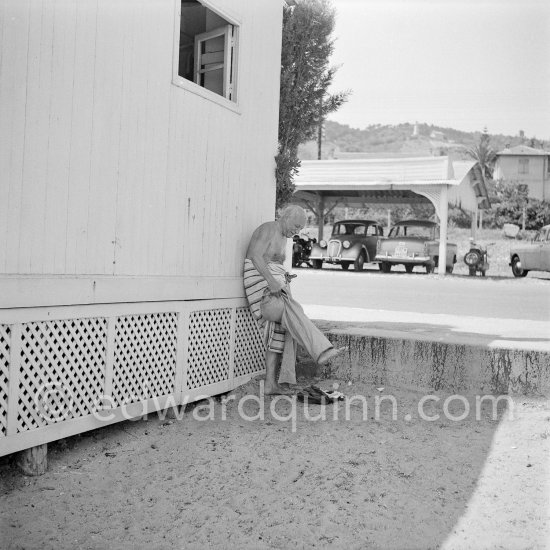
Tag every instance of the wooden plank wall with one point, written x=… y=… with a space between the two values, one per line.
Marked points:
x=107 y=167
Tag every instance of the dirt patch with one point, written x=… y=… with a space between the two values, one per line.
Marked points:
x=361 y=480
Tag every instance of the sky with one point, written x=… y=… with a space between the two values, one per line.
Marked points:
x=463 y=64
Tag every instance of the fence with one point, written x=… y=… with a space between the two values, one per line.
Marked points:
x=65 y=370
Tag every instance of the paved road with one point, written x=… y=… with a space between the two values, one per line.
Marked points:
x=504 y=298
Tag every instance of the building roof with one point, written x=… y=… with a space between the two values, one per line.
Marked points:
x=391 y=180
x=523 y=150
x=368 y=173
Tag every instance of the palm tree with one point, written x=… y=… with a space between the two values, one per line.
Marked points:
x=484 y=154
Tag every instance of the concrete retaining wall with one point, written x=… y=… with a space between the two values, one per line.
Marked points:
x=431 y=365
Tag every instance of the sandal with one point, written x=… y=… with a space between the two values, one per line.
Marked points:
x=317 y=396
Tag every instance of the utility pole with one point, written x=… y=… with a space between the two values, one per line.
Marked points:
x=320 y=133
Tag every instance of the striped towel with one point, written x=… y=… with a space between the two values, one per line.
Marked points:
x=276 y=338
x=255 y=287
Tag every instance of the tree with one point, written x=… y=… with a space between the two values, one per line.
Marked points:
x=307 y=45
x=484 y=154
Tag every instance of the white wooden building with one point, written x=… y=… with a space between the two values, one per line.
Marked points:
x=137 y=144
x=523 y=165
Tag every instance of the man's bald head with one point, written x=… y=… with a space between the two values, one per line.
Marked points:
x=292 y=220
x=294 y=213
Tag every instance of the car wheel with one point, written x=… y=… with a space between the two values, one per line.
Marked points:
x=430 y=268
x=449 y=269
x=345 y=265
x=317 y=264
x=517 y=270
x=385 y=267
x=409 y=268
x=483 y=273
x=360 y=262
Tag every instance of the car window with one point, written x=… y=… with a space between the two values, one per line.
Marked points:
x=359 y=230
x=419 y=231
x=372 y=230
x=394 y=232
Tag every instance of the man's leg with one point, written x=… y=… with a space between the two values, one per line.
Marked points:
x=307 y=334
x=272 y=387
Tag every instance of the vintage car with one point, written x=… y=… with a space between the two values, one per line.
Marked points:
x=351 y=242
x=531 y=256
x=412 y=243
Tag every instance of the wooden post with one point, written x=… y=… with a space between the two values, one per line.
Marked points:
x=389 y=220
x=320 y=217
x=33 y=461
x=320 y=133
x=443 y=220
x=481 y=219
x=473 y=224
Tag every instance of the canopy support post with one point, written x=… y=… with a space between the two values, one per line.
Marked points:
x=443 y=222
x=473 y=226
x=320 y=217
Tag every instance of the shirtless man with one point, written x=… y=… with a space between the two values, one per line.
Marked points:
x=266 y=252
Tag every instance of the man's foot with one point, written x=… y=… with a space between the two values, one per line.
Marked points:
x=277 y=389
x=330 y=354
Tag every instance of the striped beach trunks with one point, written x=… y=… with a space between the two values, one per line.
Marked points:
x=255 y=286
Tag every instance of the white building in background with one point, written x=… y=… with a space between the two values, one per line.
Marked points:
x=525 y=166
x=128 y=194
x=437 y=135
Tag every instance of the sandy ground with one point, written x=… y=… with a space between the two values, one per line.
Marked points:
x=356 y=482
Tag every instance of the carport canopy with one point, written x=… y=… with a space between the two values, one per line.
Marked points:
x=323 y=184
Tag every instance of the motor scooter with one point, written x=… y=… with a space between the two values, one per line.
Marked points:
x=301 y=250
x=477 y=258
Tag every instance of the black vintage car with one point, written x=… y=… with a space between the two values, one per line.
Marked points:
x=351 y=242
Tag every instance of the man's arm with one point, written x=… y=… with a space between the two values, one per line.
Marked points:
x=259 y=253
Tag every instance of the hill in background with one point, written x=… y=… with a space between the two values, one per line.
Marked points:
x=342 y=141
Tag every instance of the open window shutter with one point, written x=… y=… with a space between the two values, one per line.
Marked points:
x=213 y=58
x=229 y=56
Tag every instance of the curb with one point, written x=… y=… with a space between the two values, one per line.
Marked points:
x=425 y=365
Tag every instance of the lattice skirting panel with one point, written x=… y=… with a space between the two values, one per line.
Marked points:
x=65 y=370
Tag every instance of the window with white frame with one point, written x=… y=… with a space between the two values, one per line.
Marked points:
x=207 y=49
x=523 y=166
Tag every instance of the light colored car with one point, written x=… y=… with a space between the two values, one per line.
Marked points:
x=413 y=243
x=351 y=242
x=533 y=255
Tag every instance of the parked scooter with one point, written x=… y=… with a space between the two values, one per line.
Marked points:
x=477 y=258
x=301 y=250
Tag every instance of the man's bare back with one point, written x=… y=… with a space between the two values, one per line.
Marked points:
x=268 y=244
x=269 y=241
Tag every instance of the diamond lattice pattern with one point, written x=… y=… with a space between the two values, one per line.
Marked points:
x=249 y=347
x=145 y=357
x=4 y=371
x=208 y=348
x=62 y=371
